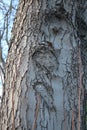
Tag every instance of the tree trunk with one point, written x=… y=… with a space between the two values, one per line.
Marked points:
x=43 y=81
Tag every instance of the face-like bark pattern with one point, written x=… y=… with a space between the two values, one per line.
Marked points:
x=41 y=88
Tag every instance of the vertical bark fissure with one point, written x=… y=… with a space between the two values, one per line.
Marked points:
x=13 y=91
x=36 y=112
x=80 y=85
x=13 y=125
x=73 y=119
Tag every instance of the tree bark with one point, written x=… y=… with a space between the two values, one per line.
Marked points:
x=43 y=79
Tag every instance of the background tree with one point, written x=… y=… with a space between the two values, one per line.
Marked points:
x=7 y=13
x=44 y=72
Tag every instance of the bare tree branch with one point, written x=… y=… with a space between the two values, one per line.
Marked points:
x=7 y=11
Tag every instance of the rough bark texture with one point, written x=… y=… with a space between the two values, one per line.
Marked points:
x=43 y=88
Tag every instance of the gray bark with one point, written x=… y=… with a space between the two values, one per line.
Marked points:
x=42 y=77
